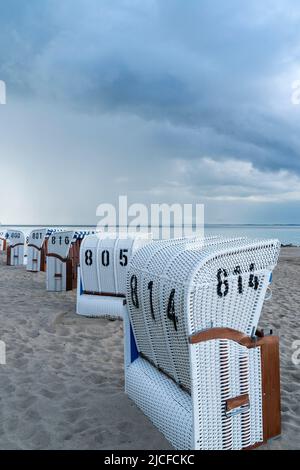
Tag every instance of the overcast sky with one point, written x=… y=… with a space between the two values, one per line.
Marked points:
x=162 y=100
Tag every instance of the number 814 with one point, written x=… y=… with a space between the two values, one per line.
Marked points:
x=223 y=281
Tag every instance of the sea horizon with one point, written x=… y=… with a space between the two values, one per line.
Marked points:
x=288 y=234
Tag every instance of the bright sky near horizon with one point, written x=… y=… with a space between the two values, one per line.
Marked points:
x=164 y=101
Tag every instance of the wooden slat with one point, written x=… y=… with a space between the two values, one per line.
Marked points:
x=270 y=369
x=43 y=256
x=8 y=256
x=237 y=402
x=104 y=294
x=270 y=365
x=69 y=275
x=221 y=333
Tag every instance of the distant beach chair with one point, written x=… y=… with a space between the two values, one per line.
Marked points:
x=104 y=261
x=194 y=361
x=62 y=260
x=37 y=249
x=2 y=240
x=15 y=249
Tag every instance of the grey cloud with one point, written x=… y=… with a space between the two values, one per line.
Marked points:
x=197 y=66
x=197 y=78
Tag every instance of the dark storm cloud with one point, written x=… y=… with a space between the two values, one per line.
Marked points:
x=212 y=79
x=195 y=64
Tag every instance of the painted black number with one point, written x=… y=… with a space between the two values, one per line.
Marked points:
x=37 y=235
x=253 y=280
x=123 y=257
x=89 y=257
x=150 y=287
x=105 y=258
x=222 y=281
x=134 y=296
x=171 y=309
x=240 y=279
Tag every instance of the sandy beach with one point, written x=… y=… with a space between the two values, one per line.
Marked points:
x=63 y=386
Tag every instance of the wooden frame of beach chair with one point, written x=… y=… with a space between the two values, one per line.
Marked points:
x=15 y=248
x=104 y=261
x=62 y=260
x=194 y=361
x=2 y=242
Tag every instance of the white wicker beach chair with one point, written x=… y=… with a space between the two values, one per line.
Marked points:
x=37 y=249
x=194 y=362
x=15 y=247
x=104 y=261
x=63 y=260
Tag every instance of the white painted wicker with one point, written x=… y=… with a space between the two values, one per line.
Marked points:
x=175 y=290
x=160 y=398
x=104 y=261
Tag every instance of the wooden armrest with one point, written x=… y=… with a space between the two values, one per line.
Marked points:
x=237 y=402
x=233 y=335
x=221 y=333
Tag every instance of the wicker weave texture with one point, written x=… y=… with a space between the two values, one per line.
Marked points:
x=167 y=406
x=177 y=289
x=222 y=370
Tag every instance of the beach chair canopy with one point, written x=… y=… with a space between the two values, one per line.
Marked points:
x=15 y=237
x=104 y=261
x=37 y=237
x=175 y=290
x=59 y=243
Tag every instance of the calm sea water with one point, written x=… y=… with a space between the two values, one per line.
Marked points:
x=287 y=234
